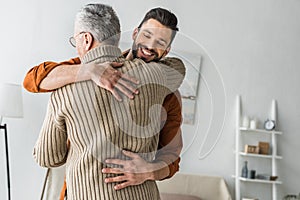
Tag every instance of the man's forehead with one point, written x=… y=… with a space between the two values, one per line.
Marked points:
x=155 y=25
x=156 y=29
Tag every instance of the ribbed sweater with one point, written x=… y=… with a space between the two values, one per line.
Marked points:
x=99 y=127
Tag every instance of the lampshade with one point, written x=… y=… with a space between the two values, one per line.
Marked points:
x=11 y=104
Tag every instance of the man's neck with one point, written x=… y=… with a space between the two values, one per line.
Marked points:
x=128 y=54
x=102 y=53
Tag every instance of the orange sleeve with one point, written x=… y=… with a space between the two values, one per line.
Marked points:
x=63 y=191
x=36 y=74
x=170 y=138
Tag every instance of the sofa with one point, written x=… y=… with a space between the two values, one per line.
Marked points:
x=193 y=187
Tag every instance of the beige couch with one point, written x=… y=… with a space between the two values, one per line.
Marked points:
x=201 y=186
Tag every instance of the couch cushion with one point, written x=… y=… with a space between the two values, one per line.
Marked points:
x=169 y=196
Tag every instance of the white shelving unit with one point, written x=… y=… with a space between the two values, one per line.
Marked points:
x=239 y=153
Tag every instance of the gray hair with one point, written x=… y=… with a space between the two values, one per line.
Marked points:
x=101 y=21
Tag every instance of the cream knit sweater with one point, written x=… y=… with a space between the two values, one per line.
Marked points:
x=99 y=127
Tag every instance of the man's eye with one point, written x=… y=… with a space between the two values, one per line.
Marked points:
x=161 y=43
x=146 y=35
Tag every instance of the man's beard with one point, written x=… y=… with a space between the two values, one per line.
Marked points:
x=135 y=49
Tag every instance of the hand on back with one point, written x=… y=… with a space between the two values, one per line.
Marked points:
x=108 y=77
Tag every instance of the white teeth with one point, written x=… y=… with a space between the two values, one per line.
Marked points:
x=146 y=52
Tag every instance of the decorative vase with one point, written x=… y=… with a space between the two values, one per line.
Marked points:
x=245 y=170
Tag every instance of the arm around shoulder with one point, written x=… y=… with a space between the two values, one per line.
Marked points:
x=37 y=74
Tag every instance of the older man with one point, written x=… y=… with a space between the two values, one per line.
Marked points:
x=97 y=126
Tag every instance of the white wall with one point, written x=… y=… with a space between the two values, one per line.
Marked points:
x=249 y=47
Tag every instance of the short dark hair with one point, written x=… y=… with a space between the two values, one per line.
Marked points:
x=163 y=16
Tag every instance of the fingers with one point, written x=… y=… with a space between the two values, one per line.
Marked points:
x=122 y=185
x=125 y=183
x=126 y=89
x=112 y=171
x=110 y=64
x=115 y=161
x=127 y=84
x=130 y=79
x=116 y=84
x=130 y=154
x=132 y=88
x=121 y=178
x=115 y=179
x=124 y=76
x=116 y=64
x=116 y=94
x=106 y=76
x=131 y=172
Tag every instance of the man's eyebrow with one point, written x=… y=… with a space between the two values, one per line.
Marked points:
x=163 y=40
x=148 y=31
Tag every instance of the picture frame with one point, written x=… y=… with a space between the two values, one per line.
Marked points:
x=251 y=149
x=190 y=86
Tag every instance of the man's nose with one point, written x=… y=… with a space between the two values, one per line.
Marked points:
x=150 y=44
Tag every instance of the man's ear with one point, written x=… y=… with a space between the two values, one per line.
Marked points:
x=135 y=32
x=88 y=41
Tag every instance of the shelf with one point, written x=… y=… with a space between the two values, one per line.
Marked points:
x=245 y=136
x=259 y=155
x=259 y=181
x=260 y=131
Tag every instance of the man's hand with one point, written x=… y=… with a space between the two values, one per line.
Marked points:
x=134 y=172
x=106 y=76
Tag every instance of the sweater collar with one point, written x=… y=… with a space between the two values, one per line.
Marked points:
x=102 y=54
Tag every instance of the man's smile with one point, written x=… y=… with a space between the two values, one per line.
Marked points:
x=146 y=53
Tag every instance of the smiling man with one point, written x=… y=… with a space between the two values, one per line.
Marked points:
x=151 y=41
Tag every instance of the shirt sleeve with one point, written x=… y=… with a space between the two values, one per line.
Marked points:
x=170 y=138
x=36 y=74
x=51 y=147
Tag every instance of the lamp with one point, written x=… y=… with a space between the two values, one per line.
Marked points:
x=10 y=106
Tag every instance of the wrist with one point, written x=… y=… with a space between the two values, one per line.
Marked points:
x=151 y=172
x=89 y=70
x=158 y=170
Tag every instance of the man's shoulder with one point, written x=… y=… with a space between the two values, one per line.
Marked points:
x=173 y=98
x=171 y=61
x=139 y=63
